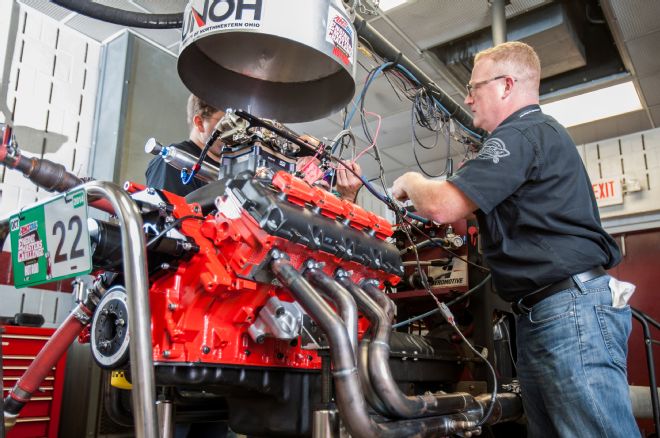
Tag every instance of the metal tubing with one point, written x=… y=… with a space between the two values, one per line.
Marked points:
x=165 y=410
x=351 y=403
x=180 y=159
x=363 y=356
x=508 y=407
x=380 y=374
x=385 y=49
x=648 y=345
x=499 y=21
x=342 y=299
x=641 y=401
x=135 y=275
x=367 y=387
x=348 y=310
x=381 y=299
x=325 y=424
x=350 y=400
x=46 y=174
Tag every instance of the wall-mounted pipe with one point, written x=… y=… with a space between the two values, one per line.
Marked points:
x=499 y=21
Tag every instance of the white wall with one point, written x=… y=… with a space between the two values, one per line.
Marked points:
x=634 y=157
x=51 y=89
x=51 y=95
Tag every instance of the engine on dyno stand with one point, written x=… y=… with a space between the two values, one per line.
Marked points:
x=266 y=294
x=266 y=297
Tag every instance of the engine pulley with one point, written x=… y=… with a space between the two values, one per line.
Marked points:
x=110 y=329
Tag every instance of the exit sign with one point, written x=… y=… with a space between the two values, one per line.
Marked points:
x=608 y=191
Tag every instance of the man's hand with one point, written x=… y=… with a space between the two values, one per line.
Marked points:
x=403 y=183
x=348 y=184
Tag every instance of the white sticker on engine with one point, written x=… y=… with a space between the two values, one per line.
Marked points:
x=228 y=206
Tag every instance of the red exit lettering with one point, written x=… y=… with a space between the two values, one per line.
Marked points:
x=603 y=190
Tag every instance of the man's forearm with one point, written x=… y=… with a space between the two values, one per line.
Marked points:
x=438 y=200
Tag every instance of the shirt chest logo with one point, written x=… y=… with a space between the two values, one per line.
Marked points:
x=493 y=149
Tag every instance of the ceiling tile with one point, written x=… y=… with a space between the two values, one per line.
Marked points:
x=95 y=29
x=162 y=7
x=611 y=127
x=162 y=37
x=395 y=130
x=327 y=127
x=650 y=86
x=370 y=167
x=655 y=114
x=644 y=54
x=48 y=8
x=431 y=22
x=636 y=17
x=404 y=152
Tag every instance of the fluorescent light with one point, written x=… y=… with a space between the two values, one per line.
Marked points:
x=595 y=105
x=386 y=5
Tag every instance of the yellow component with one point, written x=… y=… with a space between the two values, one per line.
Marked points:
x=118 y=380
x=365 y=51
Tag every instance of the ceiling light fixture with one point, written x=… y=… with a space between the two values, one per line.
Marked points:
x=595 y=105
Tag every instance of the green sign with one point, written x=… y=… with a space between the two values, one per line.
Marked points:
x=50 y=241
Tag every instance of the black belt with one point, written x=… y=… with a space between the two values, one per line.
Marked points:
x=524 y=305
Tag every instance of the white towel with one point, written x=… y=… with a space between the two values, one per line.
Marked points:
x=621 y=292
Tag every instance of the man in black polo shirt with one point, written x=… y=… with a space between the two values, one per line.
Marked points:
x=542 y=238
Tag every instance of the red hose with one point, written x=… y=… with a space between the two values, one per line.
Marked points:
x=49 y=355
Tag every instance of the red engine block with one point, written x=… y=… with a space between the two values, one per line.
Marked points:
x=201 y=311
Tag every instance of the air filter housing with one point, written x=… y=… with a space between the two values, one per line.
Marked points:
x=291 y=60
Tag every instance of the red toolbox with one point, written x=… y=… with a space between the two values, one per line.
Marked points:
x=41 y=416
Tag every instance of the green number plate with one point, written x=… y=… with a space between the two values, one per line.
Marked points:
x=50 y=241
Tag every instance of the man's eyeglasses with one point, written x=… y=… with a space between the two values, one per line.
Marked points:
x=471 y=87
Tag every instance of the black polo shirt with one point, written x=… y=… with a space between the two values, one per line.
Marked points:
x=538 y=217
x=162 y=176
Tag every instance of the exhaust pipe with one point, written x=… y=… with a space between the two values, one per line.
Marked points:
x=348 y=310
x=397 y=403
x=350 y=400
x=340 y=296
x=380 y=298
x=46 y=174
x=363 y=361
x=507 y=406
x=365 y=381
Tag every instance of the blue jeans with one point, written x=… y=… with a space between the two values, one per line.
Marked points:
x=572 y=350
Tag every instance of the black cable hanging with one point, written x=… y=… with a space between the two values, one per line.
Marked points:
x=121 y=16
